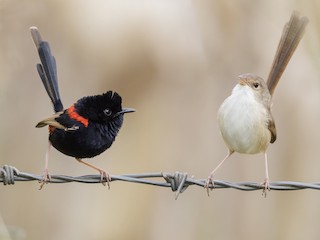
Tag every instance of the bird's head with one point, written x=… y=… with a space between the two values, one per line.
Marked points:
x=102 y=108
x=256 y=85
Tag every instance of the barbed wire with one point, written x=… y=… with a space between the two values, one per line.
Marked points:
x=178 y=182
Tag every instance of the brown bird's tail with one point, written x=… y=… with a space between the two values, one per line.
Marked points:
x=290 y=38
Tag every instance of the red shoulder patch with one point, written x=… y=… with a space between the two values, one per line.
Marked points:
x=74 y=115
x=51 y=129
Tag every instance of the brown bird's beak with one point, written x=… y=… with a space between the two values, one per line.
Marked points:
x=243 y=80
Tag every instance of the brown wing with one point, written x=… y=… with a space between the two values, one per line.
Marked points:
x=272 y=129
x=51 y=121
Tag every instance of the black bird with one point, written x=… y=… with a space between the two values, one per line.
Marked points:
x=88 y=127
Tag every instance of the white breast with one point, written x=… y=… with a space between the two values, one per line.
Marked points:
x=243 y=122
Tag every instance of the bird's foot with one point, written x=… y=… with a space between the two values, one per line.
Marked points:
x=105 y=178
x=266 y=187
x=46 y=178
x=209 y=184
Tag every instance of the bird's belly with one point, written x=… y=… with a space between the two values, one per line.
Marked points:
x=79 y=144
x=244 y=126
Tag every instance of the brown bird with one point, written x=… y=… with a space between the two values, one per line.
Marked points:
x=245 y=120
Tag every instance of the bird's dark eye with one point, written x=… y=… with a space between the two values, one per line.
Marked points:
x=107 y=112
x=255 y=85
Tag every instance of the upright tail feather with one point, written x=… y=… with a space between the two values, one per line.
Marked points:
x=292 y=34
x=47 y=69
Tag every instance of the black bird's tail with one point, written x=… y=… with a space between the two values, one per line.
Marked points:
x=47 y=69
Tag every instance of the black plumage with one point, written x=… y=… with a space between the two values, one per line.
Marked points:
x=88 y=127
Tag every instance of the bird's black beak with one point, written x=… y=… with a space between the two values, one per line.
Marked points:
x=125 y=110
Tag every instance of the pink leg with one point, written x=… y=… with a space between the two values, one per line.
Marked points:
x=265 y=183
x=210 y=180
x=46 y=176
x=104 y=176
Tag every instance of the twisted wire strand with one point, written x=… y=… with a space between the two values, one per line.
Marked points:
x=178 y=182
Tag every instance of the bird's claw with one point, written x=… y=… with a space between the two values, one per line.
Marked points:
x=105 y=178
x=209 y=184
x=46 y=178
x=265 y=187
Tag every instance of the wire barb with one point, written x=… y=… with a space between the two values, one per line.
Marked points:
x=178 y=182
x=8 y=174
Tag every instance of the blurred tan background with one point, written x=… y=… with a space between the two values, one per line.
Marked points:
x=175 y=62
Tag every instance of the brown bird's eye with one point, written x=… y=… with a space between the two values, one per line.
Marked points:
x=107 y=112
x=255 y=85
